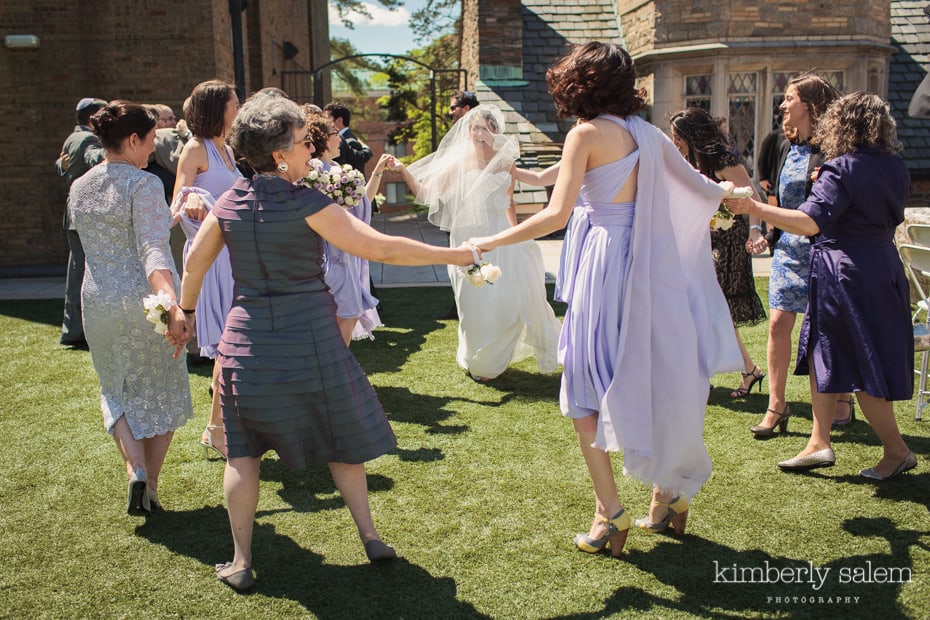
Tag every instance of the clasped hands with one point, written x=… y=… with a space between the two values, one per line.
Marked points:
x=180 y=329
x=756 y=244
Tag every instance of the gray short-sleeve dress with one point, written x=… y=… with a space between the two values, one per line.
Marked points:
x=288 y=382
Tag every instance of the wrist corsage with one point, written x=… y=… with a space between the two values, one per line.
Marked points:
x=156 y=310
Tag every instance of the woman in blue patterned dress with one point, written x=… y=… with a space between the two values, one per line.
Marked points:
x=806 y=99
x=857 y=332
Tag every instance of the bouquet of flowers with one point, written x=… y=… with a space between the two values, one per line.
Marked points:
x=722 y=219
x=156 y=310
x=481 y=273
x=343 y=183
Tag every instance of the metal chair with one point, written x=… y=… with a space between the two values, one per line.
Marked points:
x=919 y=234
x=916 y=260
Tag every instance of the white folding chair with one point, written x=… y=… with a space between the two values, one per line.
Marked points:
x=916 y=260
x=919 y=234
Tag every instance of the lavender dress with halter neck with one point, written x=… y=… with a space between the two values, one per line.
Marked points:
x=647 y=324
x=216 y=293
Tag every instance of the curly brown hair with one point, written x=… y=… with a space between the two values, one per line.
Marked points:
x=318 y=130
x=857 y=120
x=592 y=79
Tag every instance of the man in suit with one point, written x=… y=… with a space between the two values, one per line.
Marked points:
x=80 y=152
x=351 y=149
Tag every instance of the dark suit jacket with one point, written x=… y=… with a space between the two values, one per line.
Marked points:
x=352 y=151
x=85 y=151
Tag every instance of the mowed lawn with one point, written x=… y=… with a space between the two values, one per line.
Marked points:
x=481 y=499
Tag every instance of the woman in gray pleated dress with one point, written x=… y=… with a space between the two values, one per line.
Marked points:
x=288 y=382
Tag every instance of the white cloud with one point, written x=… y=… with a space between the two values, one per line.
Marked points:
x=380 y=16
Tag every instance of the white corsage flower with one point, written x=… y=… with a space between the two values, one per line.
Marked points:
x=156 y=310
x=490 y=273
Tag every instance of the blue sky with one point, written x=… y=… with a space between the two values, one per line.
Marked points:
x=387 y=31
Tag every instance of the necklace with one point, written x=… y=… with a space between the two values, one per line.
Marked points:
x=114 y=160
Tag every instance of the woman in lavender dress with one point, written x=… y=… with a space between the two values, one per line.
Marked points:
x=345 y=274
x=856 y=335
x=207 y=164
x=643 y=300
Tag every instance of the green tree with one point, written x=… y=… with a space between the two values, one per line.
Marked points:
x=344 y=7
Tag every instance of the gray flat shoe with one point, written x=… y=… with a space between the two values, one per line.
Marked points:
x=377 y=551
x=821 y=458
x=240 y=580
x=909 y=463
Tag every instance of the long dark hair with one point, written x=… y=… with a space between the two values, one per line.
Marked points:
x=708 y=147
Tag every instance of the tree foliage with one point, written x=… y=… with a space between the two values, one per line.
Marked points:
x=345 y=7
x=410 y=101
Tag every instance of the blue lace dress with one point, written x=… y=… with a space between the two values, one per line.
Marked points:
x=788 y=284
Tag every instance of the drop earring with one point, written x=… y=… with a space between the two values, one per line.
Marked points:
x=282 y=167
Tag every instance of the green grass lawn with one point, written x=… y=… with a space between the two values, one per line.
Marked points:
x=481 y=499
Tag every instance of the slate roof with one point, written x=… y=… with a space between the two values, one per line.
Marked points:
x=910 y=62
x=549 y=26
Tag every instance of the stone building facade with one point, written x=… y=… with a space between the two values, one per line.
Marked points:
x=732 y=57
x=150 y=51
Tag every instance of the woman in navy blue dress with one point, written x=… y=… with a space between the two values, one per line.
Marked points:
x=856 y=335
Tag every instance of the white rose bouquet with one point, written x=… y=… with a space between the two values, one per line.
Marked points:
x=482 y=272
x=722 y=219
x=156 y=310
x=343 y=183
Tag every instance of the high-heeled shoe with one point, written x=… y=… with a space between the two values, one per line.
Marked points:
x=767 y=431
x=742 y=392
x=618 y=526
x=240 y=580
x=137 y=501
x=206 y=440
x=852 y=413
x=377 y=551
x=676 y=517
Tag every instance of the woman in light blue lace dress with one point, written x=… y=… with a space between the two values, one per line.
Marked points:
x=123 y=220
x=806 y=99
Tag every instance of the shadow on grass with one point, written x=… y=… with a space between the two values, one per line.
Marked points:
x=523 y=385
x=403 y=405
x=285 y=570
x=45 y=311
x=716 y=581
x=409 y=316
x=313 y=489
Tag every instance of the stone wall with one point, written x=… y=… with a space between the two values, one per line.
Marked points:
x=649 y=25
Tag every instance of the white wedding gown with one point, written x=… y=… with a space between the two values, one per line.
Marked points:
x=510 y=320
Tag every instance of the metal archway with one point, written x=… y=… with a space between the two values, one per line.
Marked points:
x=318 y=83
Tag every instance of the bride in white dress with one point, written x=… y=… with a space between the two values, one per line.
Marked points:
x=468 y=185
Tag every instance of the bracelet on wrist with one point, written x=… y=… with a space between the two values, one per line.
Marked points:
x=755 y=227
x=186 y=311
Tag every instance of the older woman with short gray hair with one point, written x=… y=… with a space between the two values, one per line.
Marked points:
x=288 y=382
